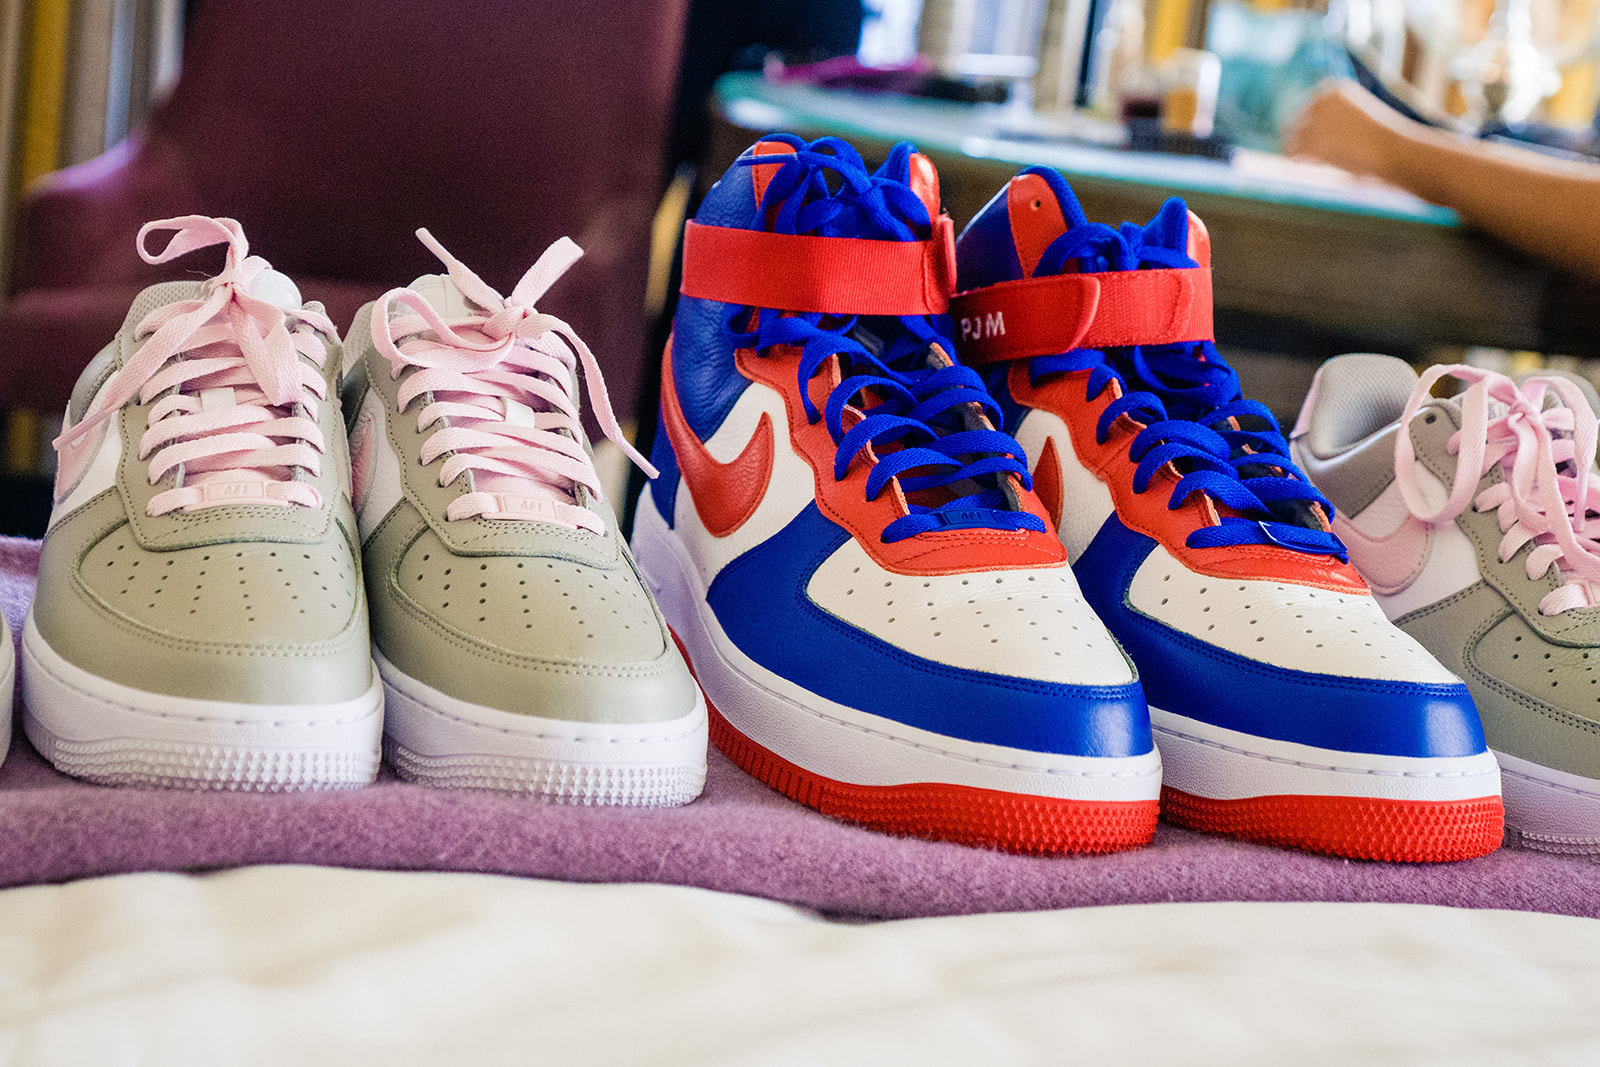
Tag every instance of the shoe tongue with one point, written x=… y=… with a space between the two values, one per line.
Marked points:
x=1553 y=398
x=447 y=300
x=856 y=217
x=1041 y=207
x=924 y=181
x=1168 y=230
x=1170 y=227
x=276 y=288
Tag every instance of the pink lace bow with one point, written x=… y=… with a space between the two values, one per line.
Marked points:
x=499 y=388
x=1546 y=456
x=232 y=403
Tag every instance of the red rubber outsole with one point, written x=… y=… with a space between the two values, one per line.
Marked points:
x=1405 y=831
x=983 y=818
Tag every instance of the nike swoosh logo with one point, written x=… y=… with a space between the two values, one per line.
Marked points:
x=362 y=449
x=1390 y=563
x=1047 y=480
x=725 y=494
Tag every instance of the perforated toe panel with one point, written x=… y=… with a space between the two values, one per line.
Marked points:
x=548 y=609
x=1563 y=677
x=237 y=593
x=1292 y=626
x=1024 y=623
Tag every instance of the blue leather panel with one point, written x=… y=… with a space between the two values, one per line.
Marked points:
x=760 y=600
x=702 y=355
x=1189 y=677
x=985 y=252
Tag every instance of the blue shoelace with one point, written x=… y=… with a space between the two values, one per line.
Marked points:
x=1194 y=414
x=917 y=407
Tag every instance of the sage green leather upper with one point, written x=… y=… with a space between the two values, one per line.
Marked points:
x=249 y=604
x=1535 y=678
x=520 y=616
x=1532 y=676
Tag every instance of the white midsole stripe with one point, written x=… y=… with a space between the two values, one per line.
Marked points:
x=1545 y=802
x=843 y=743
x=8 y=678
x=1221 y=764
x=431 y=723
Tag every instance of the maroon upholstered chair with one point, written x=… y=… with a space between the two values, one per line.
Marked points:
x=332 y=129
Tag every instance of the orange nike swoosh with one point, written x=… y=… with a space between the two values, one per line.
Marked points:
x=725 y=494
x=1390 y=563
x=1047 y=480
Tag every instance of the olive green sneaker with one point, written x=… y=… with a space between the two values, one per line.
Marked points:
x=1473 y=520
x=200 y=620
x=519 y=649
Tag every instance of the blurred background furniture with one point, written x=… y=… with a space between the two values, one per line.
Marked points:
x=332 y=131
x=1308 y=263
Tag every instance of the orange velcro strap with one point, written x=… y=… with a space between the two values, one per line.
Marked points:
x=836 y=275
x=1048 y=316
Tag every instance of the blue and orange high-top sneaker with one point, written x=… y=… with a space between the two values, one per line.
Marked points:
x=1287 y=709
x=869 y=592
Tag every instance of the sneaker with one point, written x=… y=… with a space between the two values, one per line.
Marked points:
x=518 y=648
x=1470 y=529
x=1287 y=709
x=880 y=614
x=199 y=620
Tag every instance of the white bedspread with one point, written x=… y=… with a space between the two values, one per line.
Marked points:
x=303 y=965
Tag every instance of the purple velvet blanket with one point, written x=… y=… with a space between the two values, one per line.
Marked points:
x=740 y=837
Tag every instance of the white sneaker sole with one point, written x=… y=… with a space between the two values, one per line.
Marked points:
x=437 y=740
x=112 y=734
x=1549 y=810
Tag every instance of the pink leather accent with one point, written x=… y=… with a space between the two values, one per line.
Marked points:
x=362 y=450
x=1389 y=563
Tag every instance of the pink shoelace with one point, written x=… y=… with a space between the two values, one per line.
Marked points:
x=498 y=387
x=235 y=422
x=1546 y=456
